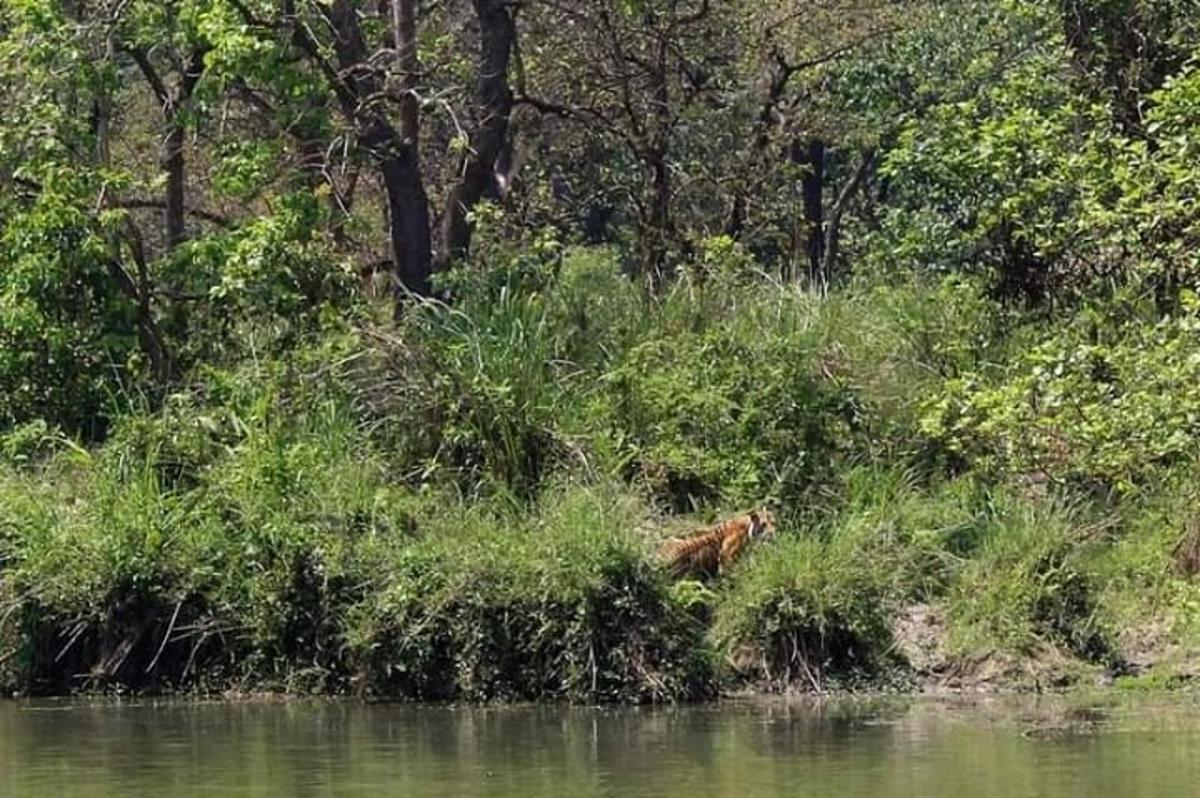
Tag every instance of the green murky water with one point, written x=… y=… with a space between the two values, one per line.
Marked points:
x=1048 y=747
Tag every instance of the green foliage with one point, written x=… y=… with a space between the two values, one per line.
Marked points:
x=275 y=274
x=1015 y=173
x=729 y=411
x=476 y=394
x=810 y=606
x=595 y=311
x=562 y=603
x=715 y=396
x=733 y=395
x=819 y=605
x=207 y=544
x=1004 y=174
x=1030 y=585
x=224 y=461
x=1106 y=401
x=65 y=328
x=263 y=544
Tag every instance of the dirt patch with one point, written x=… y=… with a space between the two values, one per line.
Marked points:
x=1150 y=651
x=1185 y=557
x=920 y=634
x=1046 y=668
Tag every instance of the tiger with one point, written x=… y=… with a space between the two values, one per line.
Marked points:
x=709 y=551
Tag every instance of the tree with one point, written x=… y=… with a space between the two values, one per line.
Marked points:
x=1123 y=50
x=493 y=105
x=646 y=71
x=147 y=33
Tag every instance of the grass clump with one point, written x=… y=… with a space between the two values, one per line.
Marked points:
x=803 y=611
x=203 y=546
x=717 y=393
x=817 y=607
x=472 y=398
x=262 y=542
x=1031 y=587
x=563 y=603
x=466 y=507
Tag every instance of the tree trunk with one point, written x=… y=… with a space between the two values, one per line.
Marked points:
x=659 y=220
x=497 y=34
x=360 y=95
x=404 y=32
x=1117 y=49
x=833 y=232
x=660 y=217
x=137 y=289
x=174 y=223
x=1079 y=21
x=408 y=223
x=812 y=156
x=171 y=157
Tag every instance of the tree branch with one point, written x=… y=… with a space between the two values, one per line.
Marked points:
x=138 y=203
x=142 y=59
x=833 y=231
x=192 y=73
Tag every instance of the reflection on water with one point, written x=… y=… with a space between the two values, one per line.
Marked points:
x=1048 y=747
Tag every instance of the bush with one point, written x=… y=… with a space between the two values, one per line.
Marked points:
x=818 y=607
x=472 y=394
x=191 y=552
x=1106 y=403
x=804 y=611
x=261 y=543
x=728 y=406
x=725 y=393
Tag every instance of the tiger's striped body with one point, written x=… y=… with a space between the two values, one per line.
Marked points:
x=709 y=551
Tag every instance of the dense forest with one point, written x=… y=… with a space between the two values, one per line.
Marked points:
x=373 y=346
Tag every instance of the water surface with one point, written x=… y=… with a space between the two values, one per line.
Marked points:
x=1093 y=748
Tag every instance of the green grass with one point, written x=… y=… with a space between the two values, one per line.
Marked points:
x=1030 y=584
x=283 y=555
x=468 y=505
x=820 y=604
x=563 y=603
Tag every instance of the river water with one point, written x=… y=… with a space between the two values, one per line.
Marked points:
x=1054 y=746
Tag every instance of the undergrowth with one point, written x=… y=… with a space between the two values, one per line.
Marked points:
x=468 y=505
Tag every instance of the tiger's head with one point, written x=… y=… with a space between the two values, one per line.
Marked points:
x=762 y=524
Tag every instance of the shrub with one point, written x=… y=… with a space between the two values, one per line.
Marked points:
x=472 y=394
x=188 y=551
x=804 y=611
x=1105 y=403
x=817 y=607
x=728 y=406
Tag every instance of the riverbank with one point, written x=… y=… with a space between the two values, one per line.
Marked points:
x=432 y=600
x=467 y=506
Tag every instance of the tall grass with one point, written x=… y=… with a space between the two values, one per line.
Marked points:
x=188 y=548
x=277 y=551
x=820 y=604
x=467 y=505
x=1030 y=585
x=560 y=603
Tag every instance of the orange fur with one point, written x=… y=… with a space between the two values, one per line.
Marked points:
x=709 y=551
